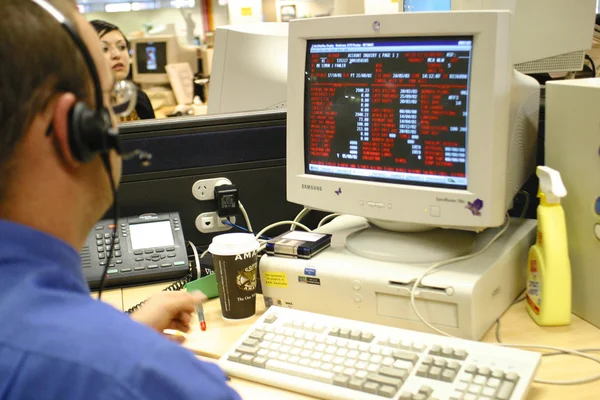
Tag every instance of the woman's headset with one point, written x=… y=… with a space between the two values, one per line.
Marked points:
x=90 y=129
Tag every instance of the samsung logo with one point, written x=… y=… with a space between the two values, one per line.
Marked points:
x=312 y=187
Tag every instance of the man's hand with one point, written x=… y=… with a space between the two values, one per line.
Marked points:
x=169 y=310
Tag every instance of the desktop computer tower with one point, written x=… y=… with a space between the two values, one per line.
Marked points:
x=572 y=148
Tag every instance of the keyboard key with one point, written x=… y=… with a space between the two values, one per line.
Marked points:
x=511 y=376
x=485 y=371
x=426 y=390
x=447 y=352
x=246 y=359
x=419 y=396
x=423 y=371
x=234 y=356
x=385 y=380
x=435 y=373
x=259 y=362
x=367 y=337
x=345 y=333
x=387 y=391
x=356 y=383
x=250 y=342
x=435 y=350
x=371 y=387
x=498 y=374
x=341 y=380
x=488 y=391
x=335 y=331
x=460 y=354
x=269 y=319
x=404 y=355
x=493 y=383
x=448 y=375
x=300 y=371
x=258 y=335
x=355 y=334
x=505 y=390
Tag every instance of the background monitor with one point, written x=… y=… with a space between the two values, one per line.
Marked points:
x=249 y=69
x=410 y=120
x=548 y=35
x=151 y=55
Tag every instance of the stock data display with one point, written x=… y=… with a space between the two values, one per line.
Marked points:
x=390 y=110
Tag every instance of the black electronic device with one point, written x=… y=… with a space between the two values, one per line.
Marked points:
x=149 y=247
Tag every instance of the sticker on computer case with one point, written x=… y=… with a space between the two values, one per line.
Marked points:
x=475 y=207
x=310 y=271
x=309 y=280
x=276 y=279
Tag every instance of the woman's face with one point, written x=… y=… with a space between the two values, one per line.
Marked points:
x=116 y=53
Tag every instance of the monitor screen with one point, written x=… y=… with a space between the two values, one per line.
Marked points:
x=390 y=110
x=151 y=57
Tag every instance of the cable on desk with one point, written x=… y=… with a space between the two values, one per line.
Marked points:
x=557 y=352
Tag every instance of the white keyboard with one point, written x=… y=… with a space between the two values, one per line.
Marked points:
x=337 y=358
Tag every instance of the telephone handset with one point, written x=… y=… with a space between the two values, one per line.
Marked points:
x=149 y=247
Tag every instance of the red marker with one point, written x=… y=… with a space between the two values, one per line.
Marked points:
x=200 y=311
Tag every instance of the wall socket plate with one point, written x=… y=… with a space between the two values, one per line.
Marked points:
x=204 y=189
x=210 y=222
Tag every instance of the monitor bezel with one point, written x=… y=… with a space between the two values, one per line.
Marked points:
x=490 y=83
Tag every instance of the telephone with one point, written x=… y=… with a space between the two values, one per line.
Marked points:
x=149 y=247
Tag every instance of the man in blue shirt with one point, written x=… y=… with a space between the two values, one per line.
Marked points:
x=56 y=342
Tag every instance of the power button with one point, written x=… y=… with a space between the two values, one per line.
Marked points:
x=597 y=231
x=597 y=206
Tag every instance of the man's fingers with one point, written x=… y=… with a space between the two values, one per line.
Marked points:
x=178 y=325
x=176 y=338
x=182 y=302
x=185 y=318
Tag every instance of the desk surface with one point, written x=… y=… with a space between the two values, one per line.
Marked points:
x=517 y=327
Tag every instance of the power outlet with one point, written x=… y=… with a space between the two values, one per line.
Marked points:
x=210 y=222
x=204 y=189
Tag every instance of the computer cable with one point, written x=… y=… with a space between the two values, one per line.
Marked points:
x=246 y=217
x=413 y=290
x=300 y=216
x=229 y=223
x=557 y=350
x=109 y=171
x=196 y=258
x=327 y=218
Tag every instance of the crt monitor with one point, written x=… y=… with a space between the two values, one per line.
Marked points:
x=152 y=54
x=249 y=68
x=412 y=120
x=547 y=36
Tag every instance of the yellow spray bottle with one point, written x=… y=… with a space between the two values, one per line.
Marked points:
x=548 y=264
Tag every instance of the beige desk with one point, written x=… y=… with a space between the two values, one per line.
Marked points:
x=517 y=327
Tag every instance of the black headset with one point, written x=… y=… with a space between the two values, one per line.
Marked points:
x=90 y=129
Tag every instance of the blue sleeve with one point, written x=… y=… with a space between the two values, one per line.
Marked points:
x=172 y=372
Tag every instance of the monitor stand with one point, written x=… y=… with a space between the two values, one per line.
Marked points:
x=415 y=247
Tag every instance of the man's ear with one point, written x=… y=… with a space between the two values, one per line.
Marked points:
x=60 y=120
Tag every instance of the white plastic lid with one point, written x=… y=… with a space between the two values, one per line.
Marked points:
x=230 y=244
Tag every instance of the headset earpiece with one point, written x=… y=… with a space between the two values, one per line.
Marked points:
x=88 y=132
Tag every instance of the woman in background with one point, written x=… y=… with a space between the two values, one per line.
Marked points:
x=116 y=50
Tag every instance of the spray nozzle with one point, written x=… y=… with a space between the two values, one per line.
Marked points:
x=551 y=188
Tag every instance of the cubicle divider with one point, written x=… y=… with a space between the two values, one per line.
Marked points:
x=248 y=149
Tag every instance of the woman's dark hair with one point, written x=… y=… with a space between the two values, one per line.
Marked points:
x=103 y=27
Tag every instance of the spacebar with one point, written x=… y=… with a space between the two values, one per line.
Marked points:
x=300 y=371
